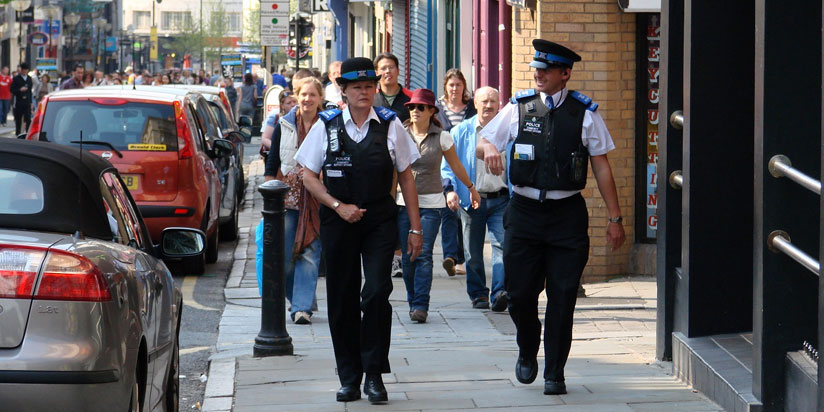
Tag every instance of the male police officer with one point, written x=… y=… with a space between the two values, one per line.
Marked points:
x=357 y=149
x=555 y=131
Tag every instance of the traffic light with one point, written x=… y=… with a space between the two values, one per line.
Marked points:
x=300 y=36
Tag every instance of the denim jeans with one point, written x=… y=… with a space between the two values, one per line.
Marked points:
x=5 y=106
x=488 y=218
x=301 y=272
x=417 y=274
x=451 y=236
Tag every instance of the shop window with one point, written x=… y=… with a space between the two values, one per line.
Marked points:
x=647 y=123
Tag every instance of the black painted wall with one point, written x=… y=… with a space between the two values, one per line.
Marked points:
x=669 y=160
x=788 y=121
x=717 y=198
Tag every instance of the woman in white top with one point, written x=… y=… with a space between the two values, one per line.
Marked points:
x=434 y=144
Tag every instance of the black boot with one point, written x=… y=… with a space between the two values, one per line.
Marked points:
x=374 y=390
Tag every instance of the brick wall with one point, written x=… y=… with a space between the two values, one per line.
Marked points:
x=604 y=36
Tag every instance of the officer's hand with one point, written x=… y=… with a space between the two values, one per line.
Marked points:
x=476 y=198
x=415 y=243
x=492 y=160
x=615 y=235
x=452 y=201
x=350 y=213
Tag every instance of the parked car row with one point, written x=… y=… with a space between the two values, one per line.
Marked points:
x=89 y=312
x=177 y=148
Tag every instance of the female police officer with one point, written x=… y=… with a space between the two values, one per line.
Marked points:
x=554 y=131
x=357 y=151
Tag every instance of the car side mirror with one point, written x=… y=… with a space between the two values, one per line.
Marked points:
x=244 y=121
x=181 y=242
x=246 y=132
x=223 y=148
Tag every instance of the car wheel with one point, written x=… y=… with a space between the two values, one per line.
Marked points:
x=173 y=380
x=228 y=230
x=134 y=403
x=211 y=246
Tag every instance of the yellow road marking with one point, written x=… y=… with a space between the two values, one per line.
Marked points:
x=187 y=351
x=188 y=290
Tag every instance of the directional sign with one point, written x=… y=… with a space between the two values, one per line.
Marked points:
x=274 y=22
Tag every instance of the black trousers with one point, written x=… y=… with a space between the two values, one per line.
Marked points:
x=361 y=343
x=546 y=243
x=21 y=112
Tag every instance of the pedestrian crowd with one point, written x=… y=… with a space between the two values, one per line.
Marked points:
x=376 y=171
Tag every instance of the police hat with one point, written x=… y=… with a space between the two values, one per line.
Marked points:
x=357 y=69
x=548 y=53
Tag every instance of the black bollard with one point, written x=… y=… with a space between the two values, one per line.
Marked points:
x=273 y=339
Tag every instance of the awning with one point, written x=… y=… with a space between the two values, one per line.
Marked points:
x=640 y=6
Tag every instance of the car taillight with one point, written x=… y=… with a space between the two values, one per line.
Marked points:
x=37 y=121
x=226 y=102
x=184 y=137
x=108 y=101
x=18 y=271
x=67 y=276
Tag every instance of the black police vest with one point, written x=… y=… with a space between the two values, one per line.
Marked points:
x=357 y=173
x=548 y=153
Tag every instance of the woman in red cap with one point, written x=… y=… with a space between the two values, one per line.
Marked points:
x=434 y=144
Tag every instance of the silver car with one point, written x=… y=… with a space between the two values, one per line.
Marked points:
x=89 y=313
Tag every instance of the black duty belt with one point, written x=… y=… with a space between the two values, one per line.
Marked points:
x=493 y=195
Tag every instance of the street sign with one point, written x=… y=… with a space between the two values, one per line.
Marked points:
x=319 y=6
x=274 y=22
x=46 y=64
x=38 y=38
x=110 y=44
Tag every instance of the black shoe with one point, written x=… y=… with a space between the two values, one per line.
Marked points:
x=449 y=266
x=526 y=370
x=480 y=303
x=500 y=302
x=348 y=393
x=374 y=390
x=554 y=387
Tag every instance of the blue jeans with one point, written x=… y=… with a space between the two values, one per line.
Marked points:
x=301 y=272
x=451 y=236
x=417 y=275
x=488 y=218
x=5 y=106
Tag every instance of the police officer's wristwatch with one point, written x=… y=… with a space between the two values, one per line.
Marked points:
x=618 y=219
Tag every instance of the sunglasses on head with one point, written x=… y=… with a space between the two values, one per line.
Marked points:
x=418 y=107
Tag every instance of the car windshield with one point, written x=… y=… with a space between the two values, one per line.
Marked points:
x=20 y=193
x=126 y=126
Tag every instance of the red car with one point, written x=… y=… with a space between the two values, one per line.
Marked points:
x=154 y=141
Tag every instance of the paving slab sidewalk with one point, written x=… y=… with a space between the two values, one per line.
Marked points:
x=461 y=359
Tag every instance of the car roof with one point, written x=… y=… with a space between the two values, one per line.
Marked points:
x=124 y=92
x=71 y=187
x=195 y=88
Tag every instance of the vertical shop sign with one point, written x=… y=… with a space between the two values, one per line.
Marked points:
x=653 y=120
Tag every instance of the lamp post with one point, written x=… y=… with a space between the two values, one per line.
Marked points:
x=20 y=6
x=51 y=12
x=99 y=25
x=71 y=21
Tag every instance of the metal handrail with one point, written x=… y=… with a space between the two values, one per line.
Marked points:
x=677 y=119
x=779 y=241
x=780 y=166
x=676 y=180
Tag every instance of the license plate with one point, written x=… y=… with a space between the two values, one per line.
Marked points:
x=132 y=181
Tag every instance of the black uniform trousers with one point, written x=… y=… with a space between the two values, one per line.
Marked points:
x=21 y=113
x=361 y=343
x=546 y=244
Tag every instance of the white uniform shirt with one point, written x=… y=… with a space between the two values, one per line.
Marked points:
x=312 y=153
x=503 y=129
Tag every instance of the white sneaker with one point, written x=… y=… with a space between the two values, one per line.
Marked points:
x=397 y=267
x=302 y=318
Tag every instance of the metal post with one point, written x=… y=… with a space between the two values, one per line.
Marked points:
x=273 y=339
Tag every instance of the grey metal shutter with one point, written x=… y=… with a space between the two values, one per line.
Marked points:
x=418 y=33
x=399 y=35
